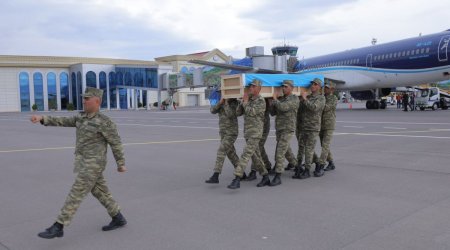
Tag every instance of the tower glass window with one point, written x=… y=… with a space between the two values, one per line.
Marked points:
x=51 y=91
x=64 y=89
x=91 y=79
x=102 y=81
x=74 y=90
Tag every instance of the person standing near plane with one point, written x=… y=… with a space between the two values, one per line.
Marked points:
x=228 y=130
x=262 y=142
x=94 y=131
x=405 y=101
x=252 y=107
x=314 y=105
x=285 y=108
x=327 y=128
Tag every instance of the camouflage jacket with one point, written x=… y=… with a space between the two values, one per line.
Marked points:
x=253 y=113
x=329 y=112
x=285 y=109
x=94 y=131
x=300 y=116
x=228 y=122
x=266 y=128
x=314 y=105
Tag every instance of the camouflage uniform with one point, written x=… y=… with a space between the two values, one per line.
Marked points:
x=285 y=109
x=299 y=133
x=228 y=130
x=253 y=113
x=263 y=140
x=93 y=133
x=327 y=129
x=314 y=106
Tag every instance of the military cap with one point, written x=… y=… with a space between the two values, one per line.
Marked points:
x=255 y=82
x=329 y=85
x=317 y=81
x=288 y=83
x=90 y=92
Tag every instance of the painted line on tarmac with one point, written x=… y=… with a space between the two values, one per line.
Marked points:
x=388 y=122
x=390 y=135
x=34 y=149
x=167 y=126
x=393 y=128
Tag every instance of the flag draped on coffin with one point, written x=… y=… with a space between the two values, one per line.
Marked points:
x=275 y=80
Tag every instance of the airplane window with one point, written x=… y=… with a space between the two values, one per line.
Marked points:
x=422 y=51
x=412 y=52
x=428 y=50
x=395 y=55
x=390 y=55
x=407 y=53
x=382 y=57
x=357 y=61
x=417 y=51
x=403 y=53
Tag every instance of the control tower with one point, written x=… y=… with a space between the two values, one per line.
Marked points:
x=284 y=50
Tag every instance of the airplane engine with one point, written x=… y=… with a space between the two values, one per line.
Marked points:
x=363 y=95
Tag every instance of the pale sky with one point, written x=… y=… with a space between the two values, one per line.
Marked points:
x=145 y=29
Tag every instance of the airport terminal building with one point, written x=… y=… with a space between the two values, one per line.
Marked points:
x=56 y=83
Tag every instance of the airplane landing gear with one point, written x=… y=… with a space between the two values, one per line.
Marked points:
x=375 y=104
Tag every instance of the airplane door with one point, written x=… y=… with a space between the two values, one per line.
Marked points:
x=443 y=48
x=369 y=61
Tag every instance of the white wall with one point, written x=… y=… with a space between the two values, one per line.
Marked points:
x=9 y=90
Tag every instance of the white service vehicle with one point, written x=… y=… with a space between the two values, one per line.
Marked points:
x=433 y=98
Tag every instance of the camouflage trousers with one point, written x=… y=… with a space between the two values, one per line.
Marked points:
x=284 y=151
x=301 y=147
x=226 y=149
x=263 y=152
x=251 y=150
x=309 y=141
x=325 y=141
x=85 y=182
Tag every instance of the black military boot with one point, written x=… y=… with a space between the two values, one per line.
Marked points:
x=213 y=179
x=265 y=181
x=297 y=172
x=56 y=230
x=289 y=167
x=276 y=180
x=117 y=221
x=251 y=176
x=318 y=172
x=330 y=166
x=244 y=177
x=305 y=174
x=236 y=183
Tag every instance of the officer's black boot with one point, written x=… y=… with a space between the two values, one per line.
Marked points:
x=289 y=167
x=265 y=181
x=213 y=179
x=330 y=166
x=236 y=183
x=56 y=230
x=318 y=172
x=117 y=221
x=276 y=180
x=305 y=174
x=244 y=177
x=251 y=176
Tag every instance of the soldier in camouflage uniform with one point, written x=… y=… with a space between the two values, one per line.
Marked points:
x=285 y=108
x=327 y=128
x=252 y=107
x=228 y=130
x=262 y=142
x=299 y=134
x=314 y=104
x=94 y=131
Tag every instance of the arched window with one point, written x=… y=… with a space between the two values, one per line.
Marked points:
x=119 y=78
x=112 y=90
x=102 y=81
x=24 y=83
x=38 y=91
x=51 y=91
x=91 y=79
x=139 y=79
x=79 y=90
x=74 y=90
x=128 y=79
x=64 y=89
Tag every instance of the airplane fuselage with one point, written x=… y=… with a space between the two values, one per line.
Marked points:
x=407 y=62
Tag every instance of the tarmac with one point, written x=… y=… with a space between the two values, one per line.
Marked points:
x=390 y=189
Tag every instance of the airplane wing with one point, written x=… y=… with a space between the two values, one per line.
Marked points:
x=236 y=67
